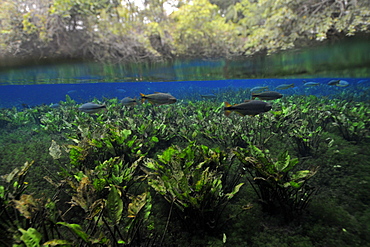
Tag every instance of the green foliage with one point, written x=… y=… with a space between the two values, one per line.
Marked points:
x=125 y=30
x=352 y=121
x=280 y=189
x=191 y=179
x=77 y=229
x=114 y=206
x=280 y=25
x=31 y=237
x=106 y=164
x=201 y=31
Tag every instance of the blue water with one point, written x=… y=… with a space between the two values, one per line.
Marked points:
x=33 y=95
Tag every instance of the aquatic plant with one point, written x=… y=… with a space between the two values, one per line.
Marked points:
x=95 y=147
x=16 y=118
x=303 y=123
x=112 y=215
x=352 y=121
x=280 y=189
x=191 y=180
x=24 y=218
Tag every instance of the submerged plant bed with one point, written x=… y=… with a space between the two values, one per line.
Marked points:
x=186 y=175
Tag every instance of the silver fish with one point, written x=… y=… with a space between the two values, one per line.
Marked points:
x=284 y=86
x=158 y=98
x=208 y=96
x=259 y=89
x=342 y=83
x=267 y=95
x=311 y=84
x=249 y=107
x=91 y=108
x=333 y=82
x=127 y=101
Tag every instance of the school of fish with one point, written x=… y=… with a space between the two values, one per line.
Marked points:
x=251 y=107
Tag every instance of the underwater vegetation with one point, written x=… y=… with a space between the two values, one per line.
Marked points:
x=184 y=174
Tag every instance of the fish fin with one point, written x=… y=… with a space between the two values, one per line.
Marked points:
x=157 y=92
x=142 y=97
x=292 y=85
x=151 y=102
x=227 y=113
x=227 y=104
x=241 y=114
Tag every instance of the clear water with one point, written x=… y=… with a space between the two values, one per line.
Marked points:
x=33 y=95
x=339 y=214
x=186 y=79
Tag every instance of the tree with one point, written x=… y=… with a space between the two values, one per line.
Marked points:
x=278 y=25
x=200 y=30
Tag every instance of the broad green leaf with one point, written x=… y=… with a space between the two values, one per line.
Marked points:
x=300 y=174
x=77 y=229
x=295 y=184
x=114 y=205
x=155 y=139
x=166 y=156
x=283 y=162
x=31 y=237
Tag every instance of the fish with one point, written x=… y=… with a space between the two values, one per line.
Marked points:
x=310 y=84
x=249 y=107
x=72 y=91
x=55 y=105
x=127 y=101
x=158 y=98
x=208 y=96
x=267 y=95
x=333 y=82
x=342 y=84
x=91 y=108
x=259 y=89
x=362 y=81
x=284 y=86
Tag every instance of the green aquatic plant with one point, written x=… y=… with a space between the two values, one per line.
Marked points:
x=103 y=144
x=307 y=139
x=191 y=180
x=15 y=118
x=111 y=213
x=281 y=190
x=302 y=122
x=24 y=218
x=352 y=121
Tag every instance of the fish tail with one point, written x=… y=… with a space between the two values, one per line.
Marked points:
x=227 y=113
x=254 y=96
x=142 y=97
